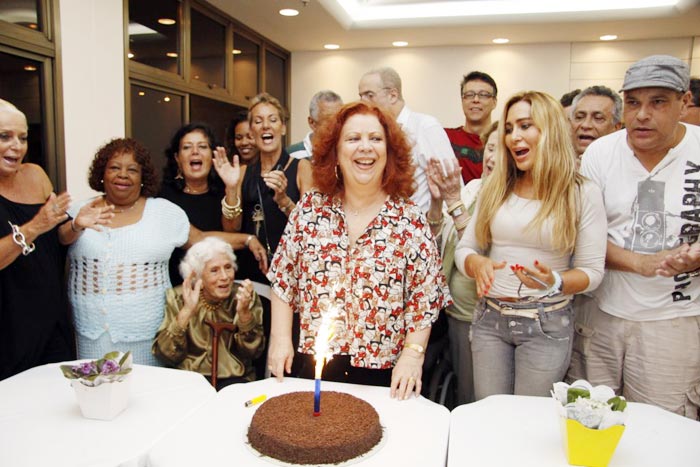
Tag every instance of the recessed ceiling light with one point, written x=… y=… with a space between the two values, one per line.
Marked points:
x=130 y=55
x=608 y=37
x=289 y=12
x=166 y=21
x=29 y=68
x=172 y=54
x=331 y=46
x=237 y=52
x=500 y=40
x=166 y=99
x=399 y=43
x=142 y=93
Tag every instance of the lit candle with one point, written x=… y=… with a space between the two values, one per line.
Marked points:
x=317 y=398
x=321 y=350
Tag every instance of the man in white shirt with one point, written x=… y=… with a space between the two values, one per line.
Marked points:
x=596 y=111
x=640 y=334
x=324 y=105
x=383 y=88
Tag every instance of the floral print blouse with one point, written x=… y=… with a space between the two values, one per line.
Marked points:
x=388 y=283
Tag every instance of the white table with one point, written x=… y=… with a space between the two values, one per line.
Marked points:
x=524 y=431
x=41 y=424
x=416 y=429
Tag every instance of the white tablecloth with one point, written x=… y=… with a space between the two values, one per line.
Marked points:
x=416 y=429
x=524 y=431
x=41 y=424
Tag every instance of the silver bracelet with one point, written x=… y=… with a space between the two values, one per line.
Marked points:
x=20 y=240
x=695 y=273
x=248 y=240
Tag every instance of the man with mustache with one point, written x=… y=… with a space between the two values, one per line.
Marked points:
x=640 y=333
x=596 y=111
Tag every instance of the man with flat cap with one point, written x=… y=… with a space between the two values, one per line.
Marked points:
x=640 y=333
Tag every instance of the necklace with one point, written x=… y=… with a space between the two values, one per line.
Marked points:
x=212 y=307
x=192 y=191
x=122 y=210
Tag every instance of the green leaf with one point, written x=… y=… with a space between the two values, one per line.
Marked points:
x=67 y=371
x=110 y=356
x=618 y=404
x=574 y=393
x=124 y=358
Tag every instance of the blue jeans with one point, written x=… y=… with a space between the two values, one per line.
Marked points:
x=519 y=355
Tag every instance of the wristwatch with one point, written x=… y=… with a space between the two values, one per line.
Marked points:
x=456 y=209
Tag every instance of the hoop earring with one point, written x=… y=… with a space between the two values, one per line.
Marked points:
x=179 y=174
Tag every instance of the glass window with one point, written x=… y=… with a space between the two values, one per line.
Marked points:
x=155 y=116
x=21 y=12
x=246 y=67
x=214 y=113
x=20 y=84
x=276 y=76
x=208 y=50
x=154 y=32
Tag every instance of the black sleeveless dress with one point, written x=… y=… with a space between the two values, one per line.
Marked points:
x=203 y=211
x=34 y=322
x=269 y=232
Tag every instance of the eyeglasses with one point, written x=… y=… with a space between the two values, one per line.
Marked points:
x=483 y=95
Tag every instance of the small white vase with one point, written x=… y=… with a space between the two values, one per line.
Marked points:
x=103 y=402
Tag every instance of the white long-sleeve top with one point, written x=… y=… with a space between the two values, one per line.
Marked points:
x=513 y=242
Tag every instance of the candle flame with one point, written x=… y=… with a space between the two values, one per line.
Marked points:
x=323 y=338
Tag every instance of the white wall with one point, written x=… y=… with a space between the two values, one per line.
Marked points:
x=431 y=75
x=92 y=48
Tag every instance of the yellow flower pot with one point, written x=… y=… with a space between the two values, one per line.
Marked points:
x=588 y=447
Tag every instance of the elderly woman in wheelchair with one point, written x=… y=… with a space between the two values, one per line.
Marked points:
x=209 y=302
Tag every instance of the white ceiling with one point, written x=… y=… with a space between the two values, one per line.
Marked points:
x=460 y=22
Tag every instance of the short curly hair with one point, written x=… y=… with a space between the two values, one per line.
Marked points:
x=119 y=146
x=397 y=180
x=201 y=253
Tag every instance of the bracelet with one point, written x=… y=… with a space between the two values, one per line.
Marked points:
x=415 y=347
x=288 y=208
x=456 y=209
x=247 y=240
x=555 y=288
x=462 y=225
x=435 y=223
x=19 y=238
x=695 y=273
x=72 y=227
x=230 y=212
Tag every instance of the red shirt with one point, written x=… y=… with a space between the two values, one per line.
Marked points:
x=468 y=150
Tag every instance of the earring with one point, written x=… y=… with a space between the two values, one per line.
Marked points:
x=337 y=172
x=142 y=185
x=179 y=174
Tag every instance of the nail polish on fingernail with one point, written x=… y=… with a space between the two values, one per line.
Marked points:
x=536 y=262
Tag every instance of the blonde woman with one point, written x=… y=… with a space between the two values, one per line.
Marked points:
x=537 y=237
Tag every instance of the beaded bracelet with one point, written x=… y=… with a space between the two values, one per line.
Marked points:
x=230 y=212
x=20 y=240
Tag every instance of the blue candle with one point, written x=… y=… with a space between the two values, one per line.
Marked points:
x=317 y=398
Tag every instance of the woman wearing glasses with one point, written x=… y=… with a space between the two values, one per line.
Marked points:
x=538 y=237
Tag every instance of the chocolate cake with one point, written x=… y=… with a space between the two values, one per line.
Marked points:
x=285 y=428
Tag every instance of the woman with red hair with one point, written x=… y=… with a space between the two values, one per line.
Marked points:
x=357 y=261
